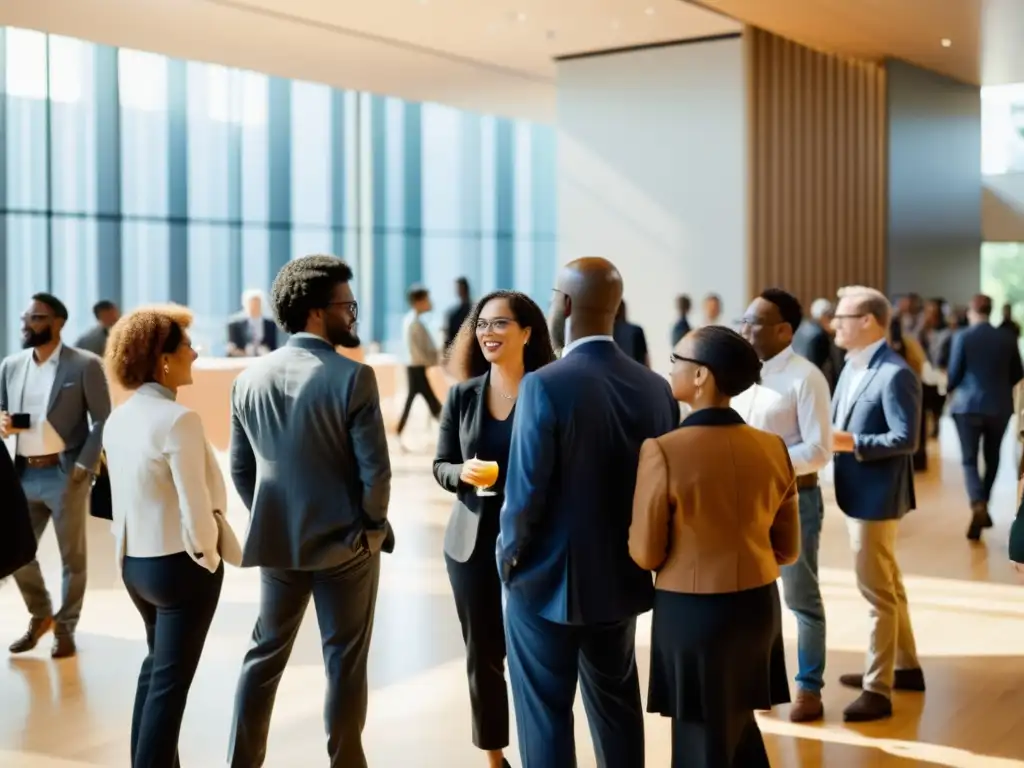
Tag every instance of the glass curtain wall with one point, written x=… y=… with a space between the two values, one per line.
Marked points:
x=139 y=178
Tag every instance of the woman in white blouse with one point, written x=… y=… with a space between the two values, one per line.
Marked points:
x=167 y=494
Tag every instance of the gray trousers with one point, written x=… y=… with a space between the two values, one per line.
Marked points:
x=53 y=495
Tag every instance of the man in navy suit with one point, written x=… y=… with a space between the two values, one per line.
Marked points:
x=572 y=591
x=984 y=367
x=876 y=413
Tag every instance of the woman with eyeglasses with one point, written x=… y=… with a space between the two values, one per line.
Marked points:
x=504 y=337
x=715 y=513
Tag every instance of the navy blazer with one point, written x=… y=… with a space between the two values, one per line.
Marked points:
x=564 y=543
x=984 y=367
x=876 y=481
x=239 y=333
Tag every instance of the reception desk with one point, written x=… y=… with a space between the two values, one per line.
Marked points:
x=213 y=377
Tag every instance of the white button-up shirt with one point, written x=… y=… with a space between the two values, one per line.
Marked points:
x=41 y=439
x=793 y=402
x=857 y=363
x=576 y=343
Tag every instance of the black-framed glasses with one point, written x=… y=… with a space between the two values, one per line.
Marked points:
x=758 y=322
x=351 y=306
x=674 y=358
x=499 y=324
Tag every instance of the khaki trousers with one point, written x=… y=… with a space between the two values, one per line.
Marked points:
x=891 y=645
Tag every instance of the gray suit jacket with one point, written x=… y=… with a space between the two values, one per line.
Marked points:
x=94 y=340
x=79 y=401
x=309 y=457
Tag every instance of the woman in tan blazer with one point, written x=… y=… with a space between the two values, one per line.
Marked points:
x=714 y=515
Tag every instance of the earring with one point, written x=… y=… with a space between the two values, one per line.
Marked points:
x=167 y=370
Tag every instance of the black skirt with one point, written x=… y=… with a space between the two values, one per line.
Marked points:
x=716 y=656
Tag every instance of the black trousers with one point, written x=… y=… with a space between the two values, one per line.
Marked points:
x=418 y=385
x=176 y=599
x=477 y=590
x=984 y=435
x=345 y=598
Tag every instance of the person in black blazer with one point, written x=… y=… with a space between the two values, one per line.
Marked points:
x=18 y=542
x=504 y=337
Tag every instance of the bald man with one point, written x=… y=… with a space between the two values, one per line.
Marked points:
x=572 y=591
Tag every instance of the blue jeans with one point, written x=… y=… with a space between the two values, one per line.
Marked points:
x=803 y=595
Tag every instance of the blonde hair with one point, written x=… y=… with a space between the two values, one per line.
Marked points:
x=870 y=301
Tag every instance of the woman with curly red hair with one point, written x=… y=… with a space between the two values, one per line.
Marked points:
x=167 y=492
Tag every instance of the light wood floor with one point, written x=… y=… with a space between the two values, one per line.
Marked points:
x=967 y=605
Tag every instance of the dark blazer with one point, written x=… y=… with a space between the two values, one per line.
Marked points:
x=18 y=542
x=94 y=340
x=984 y=367
x=564 y=544
x=309 y=458
x=876 y=481
x=453 y=320
x=238 y=332
x=631 y=340
x=461 y=422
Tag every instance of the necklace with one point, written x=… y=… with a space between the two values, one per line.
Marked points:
x=501 y=394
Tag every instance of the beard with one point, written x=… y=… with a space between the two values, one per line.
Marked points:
x=341 y=334
x=31 y=339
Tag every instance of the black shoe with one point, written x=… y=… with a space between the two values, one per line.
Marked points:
x=63 y=647
x=36 y=629
x=980 y=520
x=868 y=707
x=911 y=680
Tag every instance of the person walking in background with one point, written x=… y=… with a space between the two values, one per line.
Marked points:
x=630 y=337
x=1008 y=324
x=250 y=334
x=54 y=401
x=984 y=367
x=907 y=346
x=457 y=314
x=309 y=459
x=505 y=339
x=167 y=495
x=572 y=591
x=422 y=354
x=813 y=341
x=682 y=324
x=876 y=413
x=95 y=339
x=793 y=402
x=715 y=514
x=712 y=310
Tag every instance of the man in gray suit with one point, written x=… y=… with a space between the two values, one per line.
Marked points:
x=95 y=339
x=53 y=401
x=309 y=458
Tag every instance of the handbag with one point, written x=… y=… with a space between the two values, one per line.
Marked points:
x=100 y=503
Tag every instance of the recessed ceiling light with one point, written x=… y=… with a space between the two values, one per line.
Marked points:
x=649 y=11
x=946 y=42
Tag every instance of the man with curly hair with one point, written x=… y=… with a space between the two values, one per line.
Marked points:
x=54 y=401
x=309 y=458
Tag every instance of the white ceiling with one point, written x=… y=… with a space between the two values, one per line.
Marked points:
x=489 y=55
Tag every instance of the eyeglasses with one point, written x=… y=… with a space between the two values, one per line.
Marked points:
x=351 y=306
x=751 y=322
x=36 y=317
x=499 y=324
x=848 y=317
x=674 y=358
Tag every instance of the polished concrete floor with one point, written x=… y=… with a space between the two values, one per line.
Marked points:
x=967 y=605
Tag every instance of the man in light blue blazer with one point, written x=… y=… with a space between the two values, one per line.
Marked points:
x=984 y=367
x=876 y=413
x=53 y=401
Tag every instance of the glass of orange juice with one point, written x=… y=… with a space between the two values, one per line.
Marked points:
x=489 y=476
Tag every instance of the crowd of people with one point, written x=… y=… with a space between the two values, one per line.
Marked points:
x=583 y=498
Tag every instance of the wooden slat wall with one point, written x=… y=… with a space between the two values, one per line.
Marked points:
x=817 y=133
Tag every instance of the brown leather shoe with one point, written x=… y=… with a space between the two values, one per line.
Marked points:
x=63 y=647
x=807 y=708
x=36 y=629
x=868 y=707
x=911 y=680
